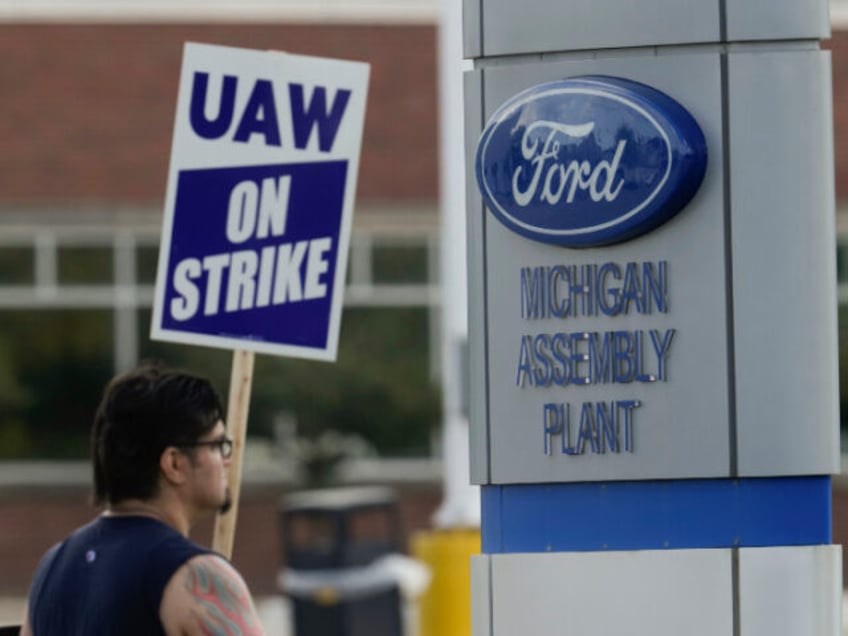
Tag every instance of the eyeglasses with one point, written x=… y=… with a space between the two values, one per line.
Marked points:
x=224 y=446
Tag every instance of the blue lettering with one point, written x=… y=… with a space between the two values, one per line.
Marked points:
x=556 y=421
x=600 y=426
x=583 y=288
x=587 y=430
x=532 y=292
x=577 y=358
x=552 y=424
x=305 y=119
x=605 y=270
x=622 y=354
x=215 y=128
x=260 y=115
x=661 y=348
x=639 y=358
x=584 y=358
x=559 y=307
x=559 y=349
x=562 y=291
x=630 y=289
x=628 y=406
x=542 y=371
x=654 y=286
x=600 y=359
x=607 y=429
x=525 y=363
x=565 y=416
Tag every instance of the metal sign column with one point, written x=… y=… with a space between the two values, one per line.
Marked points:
x=652 y=317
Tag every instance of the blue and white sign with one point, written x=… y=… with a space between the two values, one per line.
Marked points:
x=260 y=201
x=589 y=161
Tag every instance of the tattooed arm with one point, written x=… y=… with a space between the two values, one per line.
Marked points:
x=208 y=597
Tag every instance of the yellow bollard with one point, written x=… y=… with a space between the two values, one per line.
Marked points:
x=445 y=608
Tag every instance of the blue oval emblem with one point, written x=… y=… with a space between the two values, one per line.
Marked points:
x=589 y=161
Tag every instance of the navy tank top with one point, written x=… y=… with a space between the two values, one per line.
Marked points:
x=107 y=578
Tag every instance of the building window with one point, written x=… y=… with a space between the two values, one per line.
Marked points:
x=75 y=306
x=17 y=265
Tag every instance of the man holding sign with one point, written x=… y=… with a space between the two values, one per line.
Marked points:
x=258 y=213
x=256 y=229
x=160 y=455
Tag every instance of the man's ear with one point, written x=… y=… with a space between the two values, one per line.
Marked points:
x=173 y=465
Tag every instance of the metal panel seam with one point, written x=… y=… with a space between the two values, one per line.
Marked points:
x=491 y=592
x=734 y=586
x=485 y=255
x=728 y=268
x=481 y=33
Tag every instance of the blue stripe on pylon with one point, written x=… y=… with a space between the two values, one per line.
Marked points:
x=656 y=515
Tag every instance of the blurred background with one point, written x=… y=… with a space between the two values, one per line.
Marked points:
x=87 y=97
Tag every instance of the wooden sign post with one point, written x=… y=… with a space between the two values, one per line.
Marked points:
x=241 y=379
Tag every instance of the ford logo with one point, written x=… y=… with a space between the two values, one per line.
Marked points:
x=589 y=161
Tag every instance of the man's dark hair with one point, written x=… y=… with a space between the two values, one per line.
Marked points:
x=142 y=413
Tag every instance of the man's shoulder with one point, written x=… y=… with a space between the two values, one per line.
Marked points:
x=53 y=555
x=207 y=595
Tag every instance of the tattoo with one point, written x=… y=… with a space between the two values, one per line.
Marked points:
x=223 y=605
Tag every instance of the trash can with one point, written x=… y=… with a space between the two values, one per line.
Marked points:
x=339 y=546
